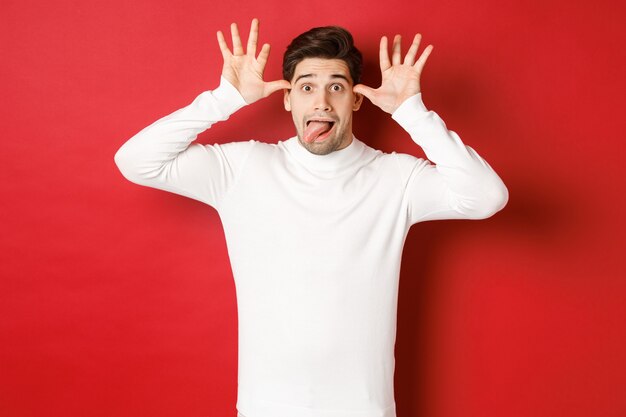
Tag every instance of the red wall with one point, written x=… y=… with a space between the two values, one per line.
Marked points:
x=118 y=300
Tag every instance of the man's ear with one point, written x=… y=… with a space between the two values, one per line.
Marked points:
x=287 y=100
x=358 y=100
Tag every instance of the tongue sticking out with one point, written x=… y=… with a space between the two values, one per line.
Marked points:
x=315 y=129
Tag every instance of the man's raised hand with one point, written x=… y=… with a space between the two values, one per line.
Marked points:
x=400 y=80
x=244 y=70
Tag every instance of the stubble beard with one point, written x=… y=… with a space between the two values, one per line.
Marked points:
x=331 y=144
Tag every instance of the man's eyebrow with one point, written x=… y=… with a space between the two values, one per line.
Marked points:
x=315 y=75
x=340 y=76
x=303 y=76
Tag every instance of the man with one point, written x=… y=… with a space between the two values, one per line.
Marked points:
x=315 y=224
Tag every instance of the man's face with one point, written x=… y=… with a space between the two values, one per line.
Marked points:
x=321 y=102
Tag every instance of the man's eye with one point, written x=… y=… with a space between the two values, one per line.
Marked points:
x=306 y=88
x=336 y=87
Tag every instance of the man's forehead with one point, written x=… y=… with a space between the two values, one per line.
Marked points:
x=322 y=67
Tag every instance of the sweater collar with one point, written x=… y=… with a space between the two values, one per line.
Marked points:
x=332 y=163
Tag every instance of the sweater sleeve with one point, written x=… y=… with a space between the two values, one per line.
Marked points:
x=455 y=182
x=162 y=155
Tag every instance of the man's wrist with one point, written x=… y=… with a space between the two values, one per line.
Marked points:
x=409 y=109
x=228 y=97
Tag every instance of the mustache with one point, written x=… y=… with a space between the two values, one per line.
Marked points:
x=321 y=117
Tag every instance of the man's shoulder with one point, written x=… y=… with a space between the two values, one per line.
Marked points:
x=404 y=165
x=393 y=156
x=245 y=145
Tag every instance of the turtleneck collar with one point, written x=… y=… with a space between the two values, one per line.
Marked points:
x=333 y=163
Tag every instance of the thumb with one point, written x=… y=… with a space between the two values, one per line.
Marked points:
x=273 y=86
x=368 y=92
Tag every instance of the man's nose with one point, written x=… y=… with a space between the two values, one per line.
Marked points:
x=321 y=102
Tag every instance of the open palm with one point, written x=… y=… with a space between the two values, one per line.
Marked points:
x=400 y=79
x=244 y=70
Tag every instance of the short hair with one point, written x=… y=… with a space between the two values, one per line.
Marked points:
x=329 y=42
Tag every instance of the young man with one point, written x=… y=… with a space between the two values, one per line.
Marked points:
x=315 y=224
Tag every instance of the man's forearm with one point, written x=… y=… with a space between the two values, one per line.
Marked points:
x=144 y=158
x=476 y=188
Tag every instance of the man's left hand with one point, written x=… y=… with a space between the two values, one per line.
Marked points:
x=400 y=80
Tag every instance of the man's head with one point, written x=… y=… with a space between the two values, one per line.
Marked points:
x=322 y=66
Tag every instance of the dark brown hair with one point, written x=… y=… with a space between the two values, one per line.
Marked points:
x=329 y=42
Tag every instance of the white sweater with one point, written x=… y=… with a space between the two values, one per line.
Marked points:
x=315 y=244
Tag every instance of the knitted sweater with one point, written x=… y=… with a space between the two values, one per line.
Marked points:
x=315 y=244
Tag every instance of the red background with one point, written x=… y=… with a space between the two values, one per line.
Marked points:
x=118 y=300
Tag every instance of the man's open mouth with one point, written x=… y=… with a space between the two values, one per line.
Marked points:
x=317 y=129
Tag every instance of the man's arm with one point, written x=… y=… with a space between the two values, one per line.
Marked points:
x=461 y=184
x=162 y=155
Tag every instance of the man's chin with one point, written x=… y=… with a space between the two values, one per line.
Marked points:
x=323 y=147
x=318 y=148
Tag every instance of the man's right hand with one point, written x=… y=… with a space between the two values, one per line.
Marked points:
x=245 y=71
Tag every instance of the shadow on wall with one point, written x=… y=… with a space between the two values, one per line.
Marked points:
x=533 y=214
